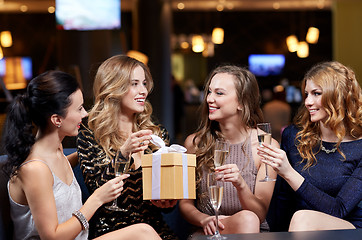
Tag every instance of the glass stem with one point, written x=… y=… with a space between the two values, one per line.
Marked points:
x=266 y=170
x=217 y=221
x=114 y=202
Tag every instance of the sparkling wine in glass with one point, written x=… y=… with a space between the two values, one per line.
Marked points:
x=215 y=186
x=264 y=136
x=221 y=152
x=120 y=166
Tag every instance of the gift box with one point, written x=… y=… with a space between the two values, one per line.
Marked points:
x=168 y=176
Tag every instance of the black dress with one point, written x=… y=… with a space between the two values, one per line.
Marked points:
x=96 y=173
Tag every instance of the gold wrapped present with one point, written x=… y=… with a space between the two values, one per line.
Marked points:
x=168 y=176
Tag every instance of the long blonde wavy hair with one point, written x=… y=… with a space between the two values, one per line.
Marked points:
x=247 y=91
x=341 y=99
x=112 y=82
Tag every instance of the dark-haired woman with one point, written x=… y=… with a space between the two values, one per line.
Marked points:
x=45 y=197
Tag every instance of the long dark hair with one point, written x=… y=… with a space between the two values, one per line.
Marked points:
x=46 y=94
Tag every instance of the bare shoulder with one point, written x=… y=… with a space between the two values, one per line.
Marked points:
x=189 y=143
x=33 y=180
x=34 y=171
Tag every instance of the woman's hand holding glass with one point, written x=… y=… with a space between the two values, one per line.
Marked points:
x=265 y=138
x=275 y=158
x=231 y=174
x=120 y=165
x=209 y=224
x=278 y=160
x=110 y=190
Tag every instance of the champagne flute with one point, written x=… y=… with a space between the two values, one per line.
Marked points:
x=215 y=186
x=120 y=166
x=221 y=152
x=264 y=136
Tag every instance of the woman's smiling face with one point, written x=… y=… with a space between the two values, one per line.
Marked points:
x=221 y=98
x=134 y=100
x=313 y=102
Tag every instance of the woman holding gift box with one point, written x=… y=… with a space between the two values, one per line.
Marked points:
x=230 y=111
x=121 y=120
x=45 y=198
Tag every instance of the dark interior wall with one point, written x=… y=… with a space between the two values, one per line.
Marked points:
x=261 y=33
x=246 y=33
x=83 y=51
x=35 y=35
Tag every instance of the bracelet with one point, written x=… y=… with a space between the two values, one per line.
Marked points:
x=79 y=215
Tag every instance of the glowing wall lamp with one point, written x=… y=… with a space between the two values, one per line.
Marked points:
x=312 y=35
x=217 y=35
x=1 y=53
x=6 y=39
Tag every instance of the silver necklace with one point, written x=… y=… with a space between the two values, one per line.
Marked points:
x=327 y=150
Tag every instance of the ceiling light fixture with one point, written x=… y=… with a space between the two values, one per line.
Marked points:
x=217 y=35
x=220 y=7
x=198 y=43
x=6 y=39
x=292 y=43
x=23 y=8
x=180 y=6
x=312 y=35
x=303 y=49
x=51 y=9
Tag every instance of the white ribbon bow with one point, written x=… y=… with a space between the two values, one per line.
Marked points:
x=156 y=140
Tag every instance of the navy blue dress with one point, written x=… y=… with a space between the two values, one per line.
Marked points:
x=332 y=186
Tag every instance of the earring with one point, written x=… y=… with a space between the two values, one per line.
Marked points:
x=58 y=126
x=239 y=108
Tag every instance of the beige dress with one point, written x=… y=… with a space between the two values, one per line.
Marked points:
x=241 y=155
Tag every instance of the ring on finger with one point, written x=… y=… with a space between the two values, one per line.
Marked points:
x=141 y=144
